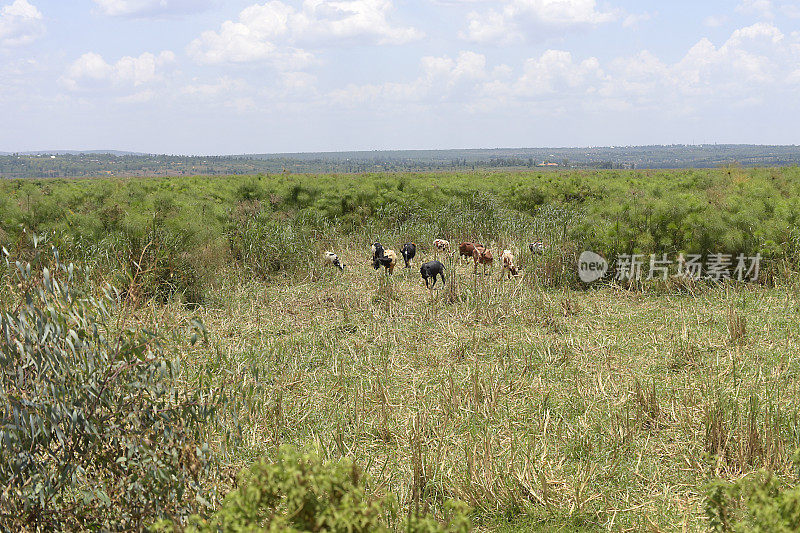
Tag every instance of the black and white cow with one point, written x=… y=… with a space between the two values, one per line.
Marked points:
x=408 y=251
x=377 y=251
x=537 y=247
x=334 y=260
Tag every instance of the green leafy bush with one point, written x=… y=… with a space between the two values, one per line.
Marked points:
x=96 y=431
x=758 y=503
x=300 y=492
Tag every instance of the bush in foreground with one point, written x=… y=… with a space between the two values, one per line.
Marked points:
x=95 y=430
x=758 y=504
x=300 y=492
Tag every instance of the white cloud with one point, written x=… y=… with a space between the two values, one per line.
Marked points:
x=243 y=96
x=441 y=77
x=346 y=19
x=634 y=20
x=20 y=23
x=298 y=82
x=746 y=57
x=715 y=21
x=91 y=70
x=554 y=76
x=467 y=79
x=491 y=27
x=752 y=60
x=755 y=61
x=761 y=8
x=150 y=8
x=517 y=20
x=555 y=72
x=768 y=9
x=274 y=32
x=468 y=65
x=227 y=92
x=791 y=10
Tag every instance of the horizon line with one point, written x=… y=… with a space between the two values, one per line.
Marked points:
x=379 y=150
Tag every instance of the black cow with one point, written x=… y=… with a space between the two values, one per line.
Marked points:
x=408 y=251
x=377 y=251
x=388 y=260
x=431 y=269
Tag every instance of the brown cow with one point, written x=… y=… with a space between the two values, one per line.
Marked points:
x=483 y=256
x=465 y=249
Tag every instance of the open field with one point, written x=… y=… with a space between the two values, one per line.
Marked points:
x=542 y=404
x=606 y=408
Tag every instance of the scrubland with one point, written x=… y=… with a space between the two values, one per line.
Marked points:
x=539 y=402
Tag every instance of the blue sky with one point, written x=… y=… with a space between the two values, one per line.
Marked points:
x=244 y=76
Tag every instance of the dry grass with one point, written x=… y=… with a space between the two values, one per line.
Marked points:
x=605 y=409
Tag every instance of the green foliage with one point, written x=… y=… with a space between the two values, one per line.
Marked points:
x=730 y=211
x=156 y=263
x=265 y=246
x=300 y=492
x=96 y=430
x=758 y=503
x=249 y=190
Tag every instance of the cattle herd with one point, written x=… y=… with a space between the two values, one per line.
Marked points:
x=431 y=270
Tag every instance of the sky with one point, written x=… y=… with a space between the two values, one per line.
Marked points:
x=238 y=76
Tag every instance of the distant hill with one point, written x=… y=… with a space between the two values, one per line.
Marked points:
x=69 y=163
x=74 y=152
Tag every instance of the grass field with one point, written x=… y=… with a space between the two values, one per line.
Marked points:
x=544 y=409
x=544 y=405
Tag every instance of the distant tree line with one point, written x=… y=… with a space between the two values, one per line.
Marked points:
x=77 y=165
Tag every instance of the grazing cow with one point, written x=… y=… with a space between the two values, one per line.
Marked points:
x=408 y=251
x=507 y=260
x=431 y=269
x=441 y=246
x=536 y=247
x=388 y=260
x=377 y=250
x=466 y=249
x=483 y=256
x=333 y=259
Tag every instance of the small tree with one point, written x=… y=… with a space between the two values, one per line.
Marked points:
x=95 y=431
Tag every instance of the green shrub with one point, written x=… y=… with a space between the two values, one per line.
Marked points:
x=265 y=247
x=96 y=431
x=729 y=211
x=249 y=191
x=300 y=492
x=758 y=504
x=154 y=262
